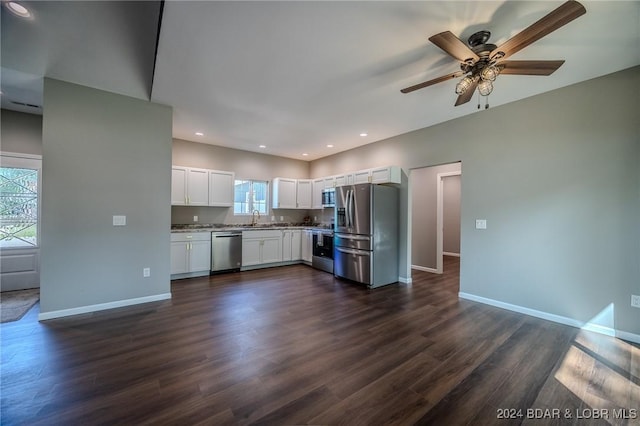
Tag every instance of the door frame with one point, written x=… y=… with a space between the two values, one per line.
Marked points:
x=440 y=217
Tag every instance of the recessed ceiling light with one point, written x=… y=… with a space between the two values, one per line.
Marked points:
x=329 y=146
x=199 y=134
x=18 y=9
x=363 y=134
x=304 y=154
x=262 y=146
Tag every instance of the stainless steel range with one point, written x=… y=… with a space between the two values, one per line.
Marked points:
x=322 y=250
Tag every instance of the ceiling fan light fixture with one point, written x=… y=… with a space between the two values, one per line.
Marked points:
x=485 y=87
x=463 y=85
x=490 y=73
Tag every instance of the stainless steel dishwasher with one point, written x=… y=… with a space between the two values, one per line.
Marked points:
x=226 y=251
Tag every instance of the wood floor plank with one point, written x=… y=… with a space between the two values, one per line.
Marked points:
x=293 y=345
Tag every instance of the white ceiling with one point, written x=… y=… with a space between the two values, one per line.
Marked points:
x=296 y=76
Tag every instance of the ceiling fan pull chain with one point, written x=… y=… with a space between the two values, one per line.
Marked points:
x=486 y=105
x=478 y=100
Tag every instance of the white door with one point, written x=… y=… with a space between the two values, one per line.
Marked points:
x=303 y=193
x=296 y=247
x=272 y=250
x=179 y=257
x=200 y=256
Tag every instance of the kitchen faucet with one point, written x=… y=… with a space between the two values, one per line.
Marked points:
x=253 y=217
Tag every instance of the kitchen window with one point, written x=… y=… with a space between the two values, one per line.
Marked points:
x=19 y=200
x=250 y=195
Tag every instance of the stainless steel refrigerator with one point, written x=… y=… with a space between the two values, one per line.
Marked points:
x=366 y=234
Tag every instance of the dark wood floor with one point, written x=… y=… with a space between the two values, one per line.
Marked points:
x=292 y=345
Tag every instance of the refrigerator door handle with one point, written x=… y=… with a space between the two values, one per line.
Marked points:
x=356 y=252
x=352 y=199
x=348 y=212
x=353 y=237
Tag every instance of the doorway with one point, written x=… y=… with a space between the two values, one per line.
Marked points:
x=435 y=215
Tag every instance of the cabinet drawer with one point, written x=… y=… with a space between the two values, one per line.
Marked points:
x=262 y=234
x=191 y=236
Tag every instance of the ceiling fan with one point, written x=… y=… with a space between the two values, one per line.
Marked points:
x=482 y=62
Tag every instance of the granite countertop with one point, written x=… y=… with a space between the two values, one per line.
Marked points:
x=244 y=227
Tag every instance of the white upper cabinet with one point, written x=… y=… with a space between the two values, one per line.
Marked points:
x=189 y=186
x=389 y=174
x=221 y=188
x=284 y=193
x=304 y=193
x=178 y=186
x=362 y=176
x=345 y=179
x=292 y=193
x=316 y=193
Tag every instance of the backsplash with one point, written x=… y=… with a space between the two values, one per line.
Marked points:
x=183 y=215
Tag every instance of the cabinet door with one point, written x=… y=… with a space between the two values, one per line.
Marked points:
x=341 y=180
x=179 y=257
x=284 y=193
x=271 y=250
x=316 y=193
x=286 y=245
x=361 y=176
x=251 y=249
x=197 y=187
x=296 y=241
x=221 y=188
x=200 y=256
x=303 y=193
x=307 y=245
x=178 y=186
x=329 y=182
x=391 y=174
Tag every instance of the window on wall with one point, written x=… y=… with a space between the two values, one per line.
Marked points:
x=19 y=200
x=250 y=195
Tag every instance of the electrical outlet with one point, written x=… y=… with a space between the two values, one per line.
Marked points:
x=481 y=223
x=195 y=218
x=635 y=301
x=281 y=218
x=146 y=272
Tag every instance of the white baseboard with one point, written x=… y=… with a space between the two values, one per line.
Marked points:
x=102 y=306
x=448 y=253
x=424 y=268
x=405 y=280
x=554 y=318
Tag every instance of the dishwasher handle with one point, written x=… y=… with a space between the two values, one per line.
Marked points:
x=225 y=235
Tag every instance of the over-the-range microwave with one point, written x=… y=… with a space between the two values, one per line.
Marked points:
x=329 y=197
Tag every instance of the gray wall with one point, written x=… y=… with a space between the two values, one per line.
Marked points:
x=557 y=178
x=20 y=132
x=451 y=214
x=246 y=165
x=423 y=193
x=103 y=155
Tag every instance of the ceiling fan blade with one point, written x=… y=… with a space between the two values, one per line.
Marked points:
x=559 y=17
x=468 y=94
x=529 y=67
x=454 y=46
x=431 y=82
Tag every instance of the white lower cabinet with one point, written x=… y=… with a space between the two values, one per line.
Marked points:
x=291 y=244
x=261 y=247
x=190 y=252
x=306 y=245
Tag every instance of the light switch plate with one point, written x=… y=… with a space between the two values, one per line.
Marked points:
x=146 y=272
x=119 y=220
x=195 y=218
x=481 y=223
